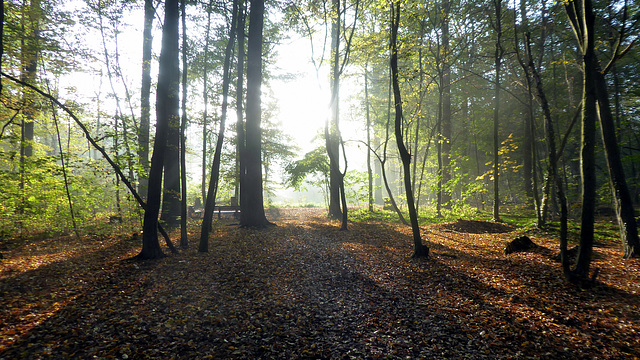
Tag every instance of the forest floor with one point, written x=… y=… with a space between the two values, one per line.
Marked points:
x=305 y=290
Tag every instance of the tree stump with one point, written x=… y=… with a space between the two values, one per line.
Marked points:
x=520 y=244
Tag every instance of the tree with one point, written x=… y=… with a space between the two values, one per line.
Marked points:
x=167 y=109
x=582 y=18
x=171 y=203
x=29 y=46
x=312 y=168
x=419 y=250
x=553 y=158
x=251 y=203
x=184 y=242
x=498 y=54
x=332 y=128
x=215 y=167
x=145 y=96
x=583 y=27
x=444 y=142
x=205 y=99
x=240 y=35
x=368 y=126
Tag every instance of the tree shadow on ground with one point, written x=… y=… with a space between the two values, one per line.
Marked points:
x=307 y=290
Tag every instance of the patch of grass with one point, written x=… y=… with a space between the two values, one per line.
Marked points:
x=378 y=215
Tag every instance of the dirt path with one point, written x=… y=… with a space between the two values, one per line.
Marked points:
x=305 y=290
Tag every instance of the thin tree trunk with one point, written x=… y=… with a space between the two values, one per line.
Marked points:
x=582 y=20
x=215 y=168
x=439 y=155
x=205 y=115
x=499 y=52
x=420 y=250
x=446 y=109
x=184 y=242
x=553 y=164
x=64 y=170
x=368 y=117
x=145 y=96
x=383 y=161
x=240 y=135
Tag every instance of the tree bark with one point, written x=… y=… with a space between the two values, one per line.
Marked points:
x=419 y=250
x=331 y=127
x=145 y=96
x=167 y=108
x=499 y=52
x=184 y=242
x=215 y=167
x=240 y=134
x=171 y=203
x=624 y=204
x=29 y=48
x=205 y=98
x=553 y=163
x=368 y=117
x=446 y=109
x=252 y=204
x=582 y=21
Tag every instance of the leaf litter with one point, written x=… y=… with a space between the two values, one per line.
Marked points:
x=305 y=290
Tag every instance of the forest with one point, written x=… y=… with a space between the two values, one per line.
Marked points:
x=319 y=179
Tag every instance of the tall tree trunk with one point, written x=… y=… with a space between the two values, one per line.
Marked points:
x=29 y=44
x=167 y=109
x=205 y=97
x=499 y=52
x=419 y=250
x=383 y=161
x=215 y=167
x=331 y=127
x=624 y=203
x=171 y=186
x=171 y=203
x=368 y=117
x=240 y=135
x=184 y=242
x=252 y=204
x=528 y=137
x=446 y=108
x=439 y=155
x=145 y=96
x=582 y=22
x=553 y=163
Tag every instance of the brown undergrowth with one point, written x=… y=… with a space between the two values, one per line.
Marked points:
x=304 y=289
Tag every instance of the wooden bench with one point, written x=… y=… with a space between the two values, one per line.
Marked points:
x=234 y=208
x=228 y=209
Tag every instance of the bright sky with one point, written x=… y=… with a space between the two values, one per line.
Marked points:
x=303 y=101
